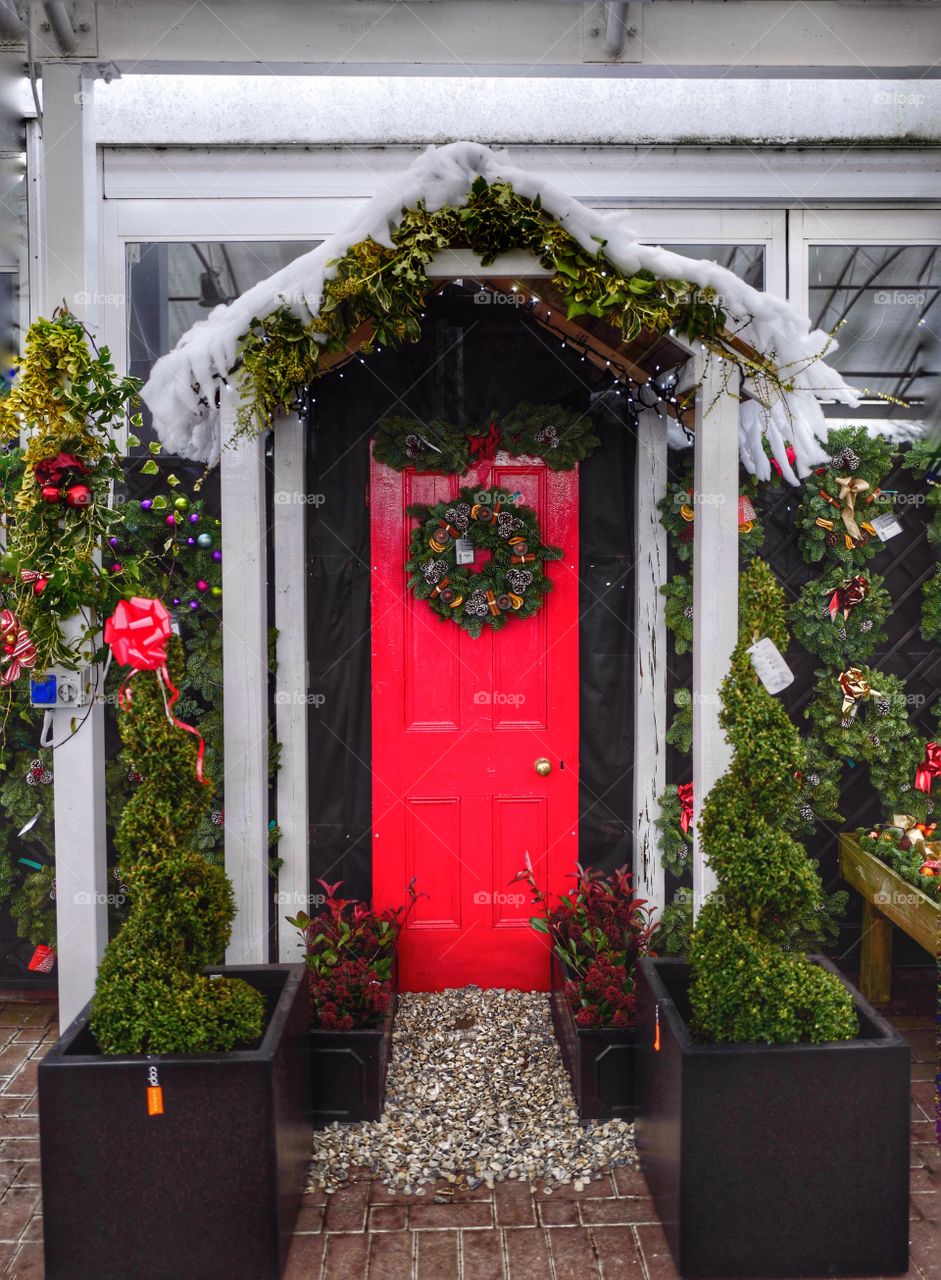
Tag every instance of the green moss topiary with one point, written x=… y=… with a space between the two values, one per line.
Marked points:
x=151 y=996
x=746 y=984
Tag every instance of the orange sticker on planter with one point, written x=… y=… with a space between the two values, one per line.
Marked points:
x=154 y=1100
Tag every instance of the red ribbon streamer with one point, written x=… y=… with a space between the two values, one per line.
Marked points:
x=929 y=768
x=685 y=793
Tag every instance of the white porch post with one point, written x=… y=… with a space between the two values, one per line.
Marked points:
x=245 y=683
x=715 y=587
x=291 y=707
x=650 y=670
x=70 y=270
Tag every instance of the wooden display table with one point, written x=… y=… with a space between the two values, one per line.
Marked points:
x=887 y=900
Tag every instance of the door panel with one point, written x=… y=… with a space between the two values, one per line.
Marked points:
x=457 y=726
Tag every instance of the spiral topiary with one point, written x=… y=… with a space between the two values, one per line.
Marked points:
x=746 y=984
x=151 y=995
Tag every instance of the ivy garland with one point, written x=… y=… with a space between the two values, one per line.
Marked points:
x=840 y=619
x=561 y=437
x=382 y=289
x=869 y=724
x=841 y=499
x=69 y=399
x=513 y=582
x=892 y=846
x=931 y=607
x=677 y=515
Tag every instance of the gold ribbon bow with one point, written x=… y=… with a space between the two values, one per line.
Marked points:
x=850 y=486
x=855 y=687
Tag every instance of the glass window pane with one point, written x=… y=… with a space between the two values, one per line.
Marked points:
x=887 y=298
x=173 y=285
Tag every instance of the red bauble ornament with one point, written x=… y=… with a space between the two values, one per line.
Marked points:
x=50 y=493
x=78 y=496
x=39 y=585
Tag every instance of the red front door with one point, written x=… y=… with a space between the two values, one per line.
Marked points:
x=458 y=725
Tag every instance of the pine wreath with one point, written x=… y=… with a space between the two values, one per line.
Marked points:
x=512 y=583
x=677 y=512
x=680 y=732
x=870 y=725
x=931 y=607
x=840 y=619
x=840 y=499
x=678 y=611
x=676 y=845
x=923 y=460
x=561 y=437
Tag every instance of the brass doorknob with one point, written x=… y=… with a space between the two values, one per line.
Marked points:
x=542 y=766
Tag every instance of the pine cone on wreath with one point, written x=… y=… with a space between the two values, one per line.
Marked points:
x=688 y=613
x=806 y=813
x=883 y=707
x=813 y=779
x=846 y=458
x=866 y=626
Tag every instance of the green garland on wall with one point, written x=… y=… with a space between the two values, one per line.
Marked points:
x=931 y=607
x=675 y=844
x=561 y=437
x=680 y=732
x=678 y=610
x=923 y=460
x=376 y=296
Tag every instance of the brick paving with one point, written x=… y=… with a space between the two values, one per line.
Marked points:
x=609 y=1231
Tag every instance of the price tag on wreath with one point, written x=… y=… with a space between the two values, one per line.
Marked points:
x=464 y=551
x=769 y=664
x=886 y=526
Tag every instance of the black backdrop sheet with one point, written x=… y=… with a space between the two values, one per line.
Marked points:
x=469 y=362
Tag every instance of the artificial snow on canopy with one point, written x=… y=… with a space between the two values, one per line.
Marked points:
x=180 y=390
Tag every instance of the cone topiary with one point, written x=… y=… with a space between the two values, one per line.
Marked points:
x=151 y=995
x=747 y=985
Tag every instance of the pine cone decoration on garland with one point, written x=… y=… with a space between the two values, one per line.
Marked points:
x=874 y=739
x=883 y=707
x=846 y=722
x=841 y=634
x=846 y=458
x=813 y=779
x=806 y=813
x=866 y=626
x=688 y=613
x=832 y=539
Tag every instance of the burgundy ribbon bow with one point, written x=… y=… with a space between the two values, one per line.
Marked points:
x=484 y=448
x=929 y=768
x=850 y=593
x=685 y=793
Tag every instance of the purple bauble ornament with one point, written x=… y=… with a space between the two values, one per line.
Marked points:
x=194 y=518
x=191 y=542
x=194 y=604
x=112 y=542
x=176 y=601
x=146 y=504
x=217 y=556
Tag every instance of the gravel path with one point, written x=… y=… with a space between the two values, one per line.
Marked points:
x=476 y=1093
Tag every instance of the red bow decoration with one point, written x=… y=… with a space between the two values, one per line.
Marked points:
x=929 y=768
x=850 y=593
x=137 y=632
x=19 y=652
x=746 y=513
x=484 y=448
x=49 y=470
x=685 y=793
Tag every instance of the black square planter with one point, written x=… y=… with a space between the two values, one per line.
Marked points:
x=599 y=1060
x=348 y=1070
x=209 y=1188
x=773 y=1160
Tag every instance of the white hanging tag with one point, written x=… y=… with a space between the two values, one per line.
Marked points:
x=464 y=551
x=886 y=526
x=769 y=664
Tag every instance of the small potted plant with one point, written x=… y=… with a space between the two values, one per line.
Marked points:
x=351 y=981
x=773 y=1118
x=598 y=930
x=175 y=1109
